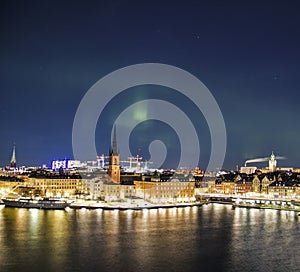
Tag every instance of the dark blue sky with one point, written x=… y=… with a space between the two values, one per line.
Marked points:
x=245 y=52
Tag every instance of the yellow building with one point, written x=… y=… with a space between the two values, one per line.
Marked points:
x=228 y=187
x=57 y=186
x=173 y=191
x=280 y=189
x=211 y=188
x=256 y=185
x=297 y=191
x=260 y=184
x=8 y=184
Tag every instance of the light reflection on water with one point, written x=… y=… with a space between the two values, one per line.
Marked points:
x=209 y=238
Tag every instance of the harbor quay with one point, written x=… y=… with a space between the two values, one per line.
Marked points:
x=249 y=200
x=258 y=202
x=255 y=201
x=127 y=206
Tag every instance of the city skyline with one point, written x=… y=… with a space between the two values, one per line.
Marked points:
x=247 y=56
x=135 y=163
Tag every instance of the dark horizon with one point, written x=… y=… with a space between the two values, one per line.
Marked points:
x=247 y=54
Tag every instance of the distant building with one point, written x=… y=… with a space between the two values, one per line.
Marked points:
x=65 y=164
x=13 y=161
x=248 y=169
x=272 y=167
x=272 y=163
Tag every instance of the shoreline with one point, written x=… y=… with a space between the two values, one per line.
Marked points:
x=261 y=207
x=124 y=207
x=136 y=208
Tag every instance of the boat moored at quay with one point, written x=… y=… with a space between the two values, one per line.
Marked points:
x=41 y=203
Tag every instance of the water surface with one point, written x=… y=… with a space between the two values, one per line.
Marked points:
x=209 y=238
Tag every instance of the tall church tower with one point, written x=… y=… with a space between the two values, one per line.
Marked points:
x=114 y=160
x=272 y=163
x=13 y=161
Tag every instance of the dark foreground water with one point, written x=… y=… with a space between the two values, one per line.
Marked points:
x=209 y=238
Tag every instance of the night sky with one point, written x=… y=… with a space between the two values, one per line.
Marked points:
x=245 y=52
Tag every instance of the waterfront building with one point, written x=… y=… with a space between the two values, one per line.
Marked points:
x=227 y=187
x=260 y=183
x=204 y=183
x=113 y=191
x=92 y=183
x=225 y=183
x=56 y=184
x=171 y=191
x=233 y=183
x=243 y=185
x=282 y=189
x=96 y=188
x=92 y=187
x=211 y=186
x=256 y=184
x=286 y=184
x=265 y=182
x=9 y=183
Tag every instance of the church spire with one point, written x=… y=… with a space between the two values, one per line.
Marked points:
x=114 y=160
x=114 y=143
x=13 y=161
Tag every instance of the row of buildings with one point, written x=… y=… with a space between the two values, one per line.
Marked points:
x=104 y=184
x=156 y=187
x=274 y=184
x=153 y=187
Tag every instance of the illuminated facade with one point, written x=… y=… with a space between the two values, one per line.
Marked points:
x=260 y=184
x=256 y=185
x=173 y=191
x=280 y=189
x=65 y=164
x=57 y=186
x=94 y=186
x=117 y=192
x=8 y=184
